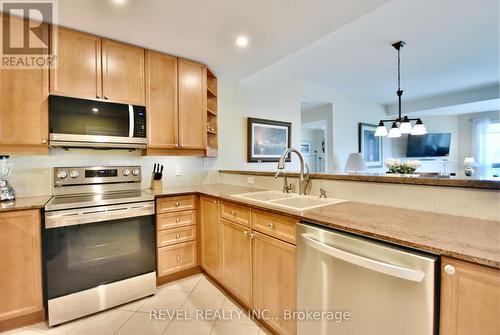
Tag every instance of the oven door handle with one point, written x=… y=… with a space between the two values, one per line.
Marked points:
x=72 y=217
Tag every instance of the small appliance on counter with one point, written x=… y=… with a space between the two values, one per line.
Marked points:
x=6 y=191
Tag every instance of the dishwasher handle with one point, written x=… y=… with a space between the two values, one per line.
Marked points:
x=368 y=263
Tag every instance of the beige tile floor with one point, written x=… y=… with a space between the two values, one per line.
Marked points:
x=189 y=294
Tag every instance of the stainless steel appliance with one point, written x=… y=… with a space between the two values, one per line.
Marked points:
x=98 y=241
x=96 y=124
x=6 y=191
x=369 y=287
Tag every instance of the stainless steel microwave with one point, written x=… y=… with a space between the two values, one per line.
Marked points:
x=80 y=123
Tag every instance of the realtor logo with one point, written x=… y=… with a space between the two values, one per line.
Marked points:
x=26 y=34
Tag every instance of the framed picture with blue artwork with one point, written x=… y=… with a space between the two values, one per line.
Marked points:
x=370 y=146
x=267 y=140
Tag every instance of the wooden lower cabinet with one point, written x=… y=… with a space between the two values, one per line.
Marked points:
x=237 y=260
x=470 y=298
x=211 y=260
x=20 y=268
x=274 y=281
x=176 y=258
x=176 y=232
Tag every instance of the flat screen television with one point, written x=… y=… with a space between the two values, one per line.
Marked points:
x=428 y=145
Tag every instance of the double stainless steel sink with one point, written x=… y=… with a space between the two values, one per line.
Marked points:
x=288 y=200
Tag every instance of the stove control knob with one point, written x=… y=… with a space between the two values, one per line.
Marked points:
x=74 y=174
x=136 y=172
x=62 y=174
x=126 y=172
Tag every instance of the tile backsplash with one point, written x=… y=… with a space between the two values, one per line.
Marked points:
x=33 y=175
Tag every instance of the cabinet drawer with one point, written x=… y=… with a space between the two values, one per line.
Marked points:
x=176 y=235
x=236 y=213
x=279 y=226
x=176 y=257
x=175 y=220
x=175 y=204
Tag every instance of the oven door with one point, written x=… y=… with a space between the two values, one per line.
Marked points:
x=77 y=122
x=88 y=247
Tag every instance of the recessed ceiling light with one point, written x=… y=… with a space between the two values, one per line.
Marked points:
x=242 y=41
x=118 y=2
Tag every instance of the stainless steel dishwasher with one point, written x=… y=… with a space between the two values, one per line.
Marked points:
x=362 y=287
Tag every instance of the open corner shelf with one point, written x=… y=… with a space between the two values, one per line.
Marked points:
x=212 y=134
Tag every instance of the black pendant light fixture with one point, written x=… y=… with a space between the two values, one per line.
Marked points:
x=401 y=125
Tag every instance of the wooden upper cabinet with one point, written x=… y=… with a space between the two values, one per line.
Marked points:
x=123 y=72
x=237 y=260
x=24 y=108
x=161 y=100
x=192 y=105
x=78 y=72
x=20 y=265
x=470 y=298
x=274 y=284
x=210 y=237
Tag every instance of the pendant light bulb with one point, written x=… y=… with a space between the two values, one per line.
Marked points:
x=394 y=132
x=381 y=130
x=419 y=128
x=405 y=126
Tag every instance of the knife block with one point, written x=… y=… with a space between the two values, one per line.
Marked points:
x=156 y=185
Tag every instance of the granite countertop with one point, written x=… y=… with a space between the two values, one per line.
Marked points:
x=480 y=183
x=22 y=203
x=464 y=238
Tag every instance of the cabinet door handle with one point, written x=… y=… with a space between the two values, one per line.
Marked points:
x=178 y=220
x=177 y=204
x=233 y=213
x=44 y=141
x=245 y=233
x=178 y=236
x=251 y=235
x=449 y=269
x=97 y=96
x=106 y=97
x=215 y=202
x=178 y=258
x=270 y=225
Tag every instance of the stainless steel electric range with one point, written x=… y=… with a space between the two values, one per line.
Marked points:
x=98 y=241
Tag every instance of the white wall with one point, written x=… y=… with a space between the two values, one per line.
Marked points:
x=348 y=111
x=268 y=95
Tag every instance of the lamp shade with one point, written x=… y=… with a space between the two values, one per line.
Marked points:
x=405 y=127
x=419 y=128
x=355 y=162
x=470 y=162
x=381 y=130
x=394 y=131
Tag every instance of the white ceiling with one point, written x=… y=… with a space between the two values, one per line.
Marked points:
x=451 y=45
x=206 y=30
